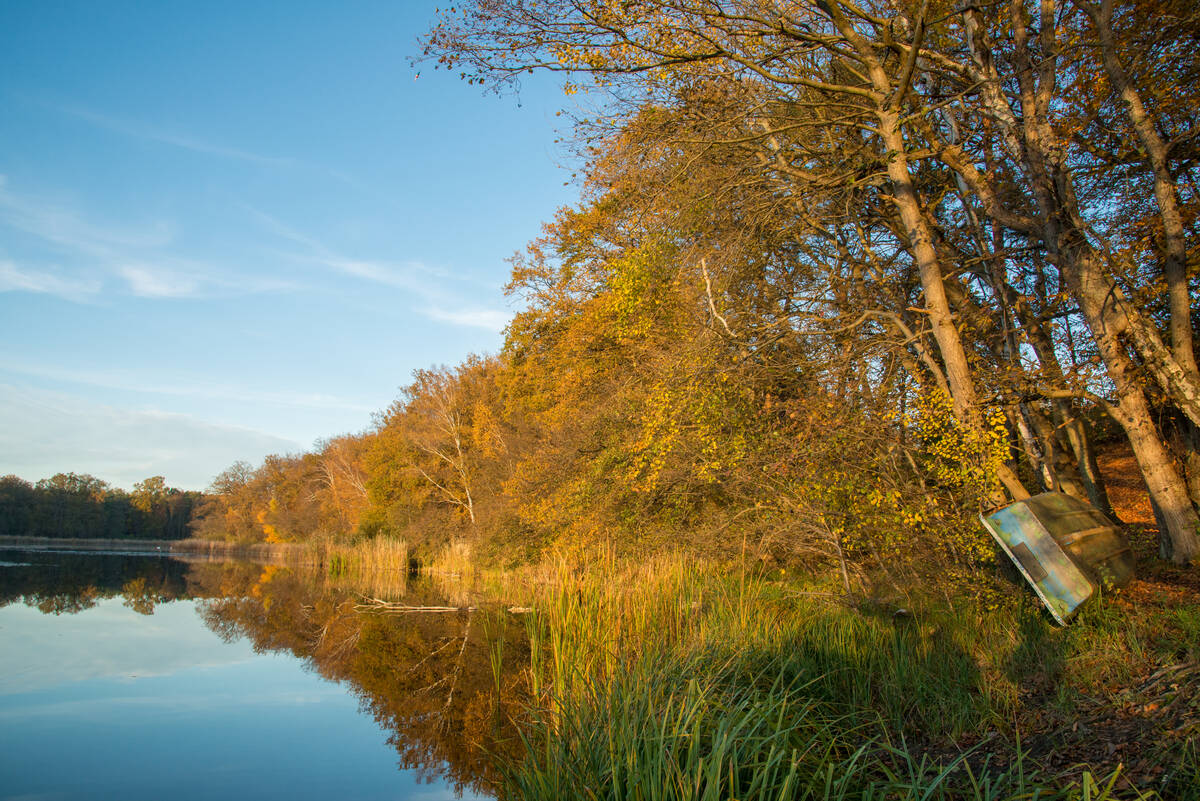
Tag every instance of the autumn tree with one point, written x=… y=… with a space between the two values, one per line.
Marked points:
x=432 y=444
x=955 y=115
x=340 y=481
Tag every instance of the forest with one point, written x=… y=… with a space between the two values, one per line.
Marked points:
x=75 y=505
x=841 y=277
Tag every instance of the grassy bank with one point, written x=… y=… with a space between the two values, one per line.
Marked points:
x=674 y=679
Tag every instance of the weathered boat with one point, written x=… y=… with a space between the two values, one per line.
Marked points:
x=1064 y=547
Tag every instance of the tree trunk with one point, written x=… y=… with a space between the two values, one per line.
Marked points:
x=889 y=99
x=937 y=305
x=1191 y=461
x=1165 y=193
x=1099 y=300
x=1020 y=418
x=1166 y=486
x=1079 y=439
x=1059 y=460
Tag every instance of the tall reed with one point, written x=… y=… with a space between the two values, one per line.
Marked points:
x=275 y=552
x=669 y=679
x=377 y=567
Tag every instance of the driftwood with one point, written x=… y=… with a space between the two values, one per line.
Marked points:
x=381 y=606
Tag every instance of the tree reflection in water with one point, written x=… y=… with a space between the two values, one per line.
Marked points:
x=68 y=583
x=448 y=686
x=428 y=677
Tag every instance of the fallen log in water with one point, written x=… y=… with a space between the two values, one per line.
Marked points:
x=379 y=605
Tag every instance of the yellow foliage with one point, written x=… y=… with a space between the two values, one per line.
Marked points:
x=696 y=425
x=959 y=455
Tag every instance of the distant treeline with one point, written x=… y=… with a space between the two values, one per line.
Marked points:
x=80 y=505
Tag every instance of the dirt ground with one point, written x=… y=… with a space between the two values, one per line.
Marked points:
x=1158 y=582
x=1135 y=724
x=1126 y=490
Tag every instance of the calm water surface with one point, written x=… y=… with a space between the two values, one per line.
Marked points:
x=126 y=677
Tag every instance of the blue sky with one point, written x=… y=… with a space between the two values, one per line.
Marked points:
x=230 y=229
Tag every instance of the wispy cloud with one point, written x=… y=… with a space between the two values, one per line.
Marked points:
x=491 y=319
x=14 y=279
x=43 y=432
x=147 y=283
x=393 y=275
x=151 y=133
x=64 y=227
x=141 y=256
x=429 y=285
x=175 y=386
x=410 y=276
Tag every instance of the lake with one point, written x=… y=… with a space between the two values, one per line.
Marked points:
x=126 y=676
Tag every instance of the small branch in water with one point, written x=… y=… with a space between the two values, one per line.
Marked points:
x=431 y=655
x=378 y=605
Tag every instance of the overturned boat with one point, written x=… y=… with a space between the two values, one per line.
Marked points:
x=1064 y=547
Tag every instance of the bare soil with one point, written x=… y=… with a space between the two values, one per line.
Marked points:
x=1154 y=712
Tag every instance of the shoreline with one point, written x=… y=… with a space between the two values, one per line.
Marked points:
x=141 y=547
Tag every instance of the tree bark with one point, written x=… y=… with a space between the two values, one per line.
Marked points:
x=1099 y=301
x=889 y=97
x=1165 y=190
x=1167 y=488
x=1079 y=439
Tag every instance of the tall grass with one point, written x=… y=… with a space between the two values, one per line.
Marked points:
x=455 y=560
x=590 y=624
x=676 y=726
x=375 y=568
x=670 y=679
x=277 y=553
x=454 y=572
